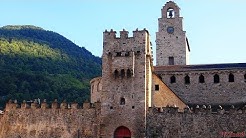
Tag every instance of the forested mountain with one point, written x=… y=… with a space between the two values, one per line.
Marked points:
x=36 y=63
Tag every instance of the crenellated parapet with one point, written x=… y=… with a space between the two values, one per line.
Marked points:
x=44 y=119
x=124 y=45
x=109 y=35
x=14 y=105
x=201 y=109
x=197 y=121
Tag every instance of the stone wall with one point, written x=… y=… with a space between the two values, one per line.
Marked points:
x=224 y=92
x=96 y=89
x=164 y=96
x=199 y=123
x=59 y=121
x=126 y=82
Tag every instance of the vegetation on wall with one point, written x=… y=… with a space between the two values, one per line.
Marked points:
x=35 y=63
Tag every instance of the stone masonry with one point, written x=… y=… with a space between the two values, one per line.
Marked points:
x=171 y=41
x=134 y=99
x=126 y=82
x=58 y=121
x=197 y=123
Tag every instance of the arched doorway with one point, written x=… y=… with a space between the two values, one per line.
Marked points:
x=122 y=132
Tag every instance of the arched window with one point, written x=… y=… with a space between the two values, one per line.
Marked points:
x=122 y=73
x=201 y=79
x=187 y=79
x=99 y=86
x=128 y=72
x=170 y=13
x=216 y=78
x=231 y=77
x=173 y=79
x=116 y=74
x=122 y=101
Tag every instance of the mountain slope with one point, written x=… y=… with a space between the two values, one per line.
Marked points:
x=35 y=63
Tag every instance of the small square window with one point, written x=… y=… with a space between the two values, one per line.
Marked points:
x=157 y=87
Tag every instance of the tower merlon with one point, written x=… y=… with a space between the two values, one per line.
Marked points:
x=109 y=34
x=124 y=34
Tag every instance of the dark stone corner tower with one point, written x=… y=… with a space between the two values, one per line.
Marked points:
x=172 y=47
x=126 y=83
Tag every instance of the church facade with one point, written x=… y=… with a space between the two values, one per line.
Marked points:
x=135 y=99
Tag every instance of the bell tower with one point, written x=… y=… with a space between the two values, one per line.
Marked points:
x=172 y=47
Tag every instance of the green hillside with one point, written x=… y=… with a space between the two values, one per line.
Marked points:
x=36 y=63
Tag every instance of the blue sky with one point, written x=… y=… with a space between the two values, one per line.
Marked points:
x=216 y=29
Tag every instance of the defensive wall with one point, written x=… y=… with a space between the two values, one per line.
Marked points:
x=199 y=122
x=58 y=121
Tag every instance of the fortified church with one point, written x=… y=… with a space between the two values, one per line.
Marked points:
x=135 y=99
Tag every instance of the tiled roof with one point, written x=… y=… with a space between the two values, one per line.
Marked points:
x=200 y=67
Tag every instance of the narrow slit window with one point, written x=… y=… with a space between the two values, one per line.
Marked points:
x=173 y=79
x=216 y=78
x=231 y=77
x=116 y=74
x=187 y=79
x=129 y=73
x=122 y=73
x=201 y=79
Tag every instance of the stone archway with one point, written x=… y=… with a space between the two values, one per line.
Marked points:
x=122 y=132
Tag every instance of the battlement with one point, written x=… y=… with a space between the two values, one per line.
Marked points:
x=123 y=34
x=13 y=105
x=200 y=109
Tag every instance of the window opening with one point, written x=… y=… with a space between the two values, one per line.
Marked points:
x=122 y=73
x=118 y=54
x=157 y=87
x=231 y=77
x=173 y=79
x=170 y=13
x=187 y=79
x=128 y=72
x=201 y=79
x=122 y=101
x=216 y=78
x=171 y=60
x=127 y=54
x=116 y=74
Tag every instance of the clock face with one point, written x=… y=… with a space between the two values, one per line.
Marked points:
x=170 y=30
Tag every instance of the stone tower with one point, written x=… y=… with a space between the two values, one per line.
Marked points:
x=126 y=83
x=172 y=47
